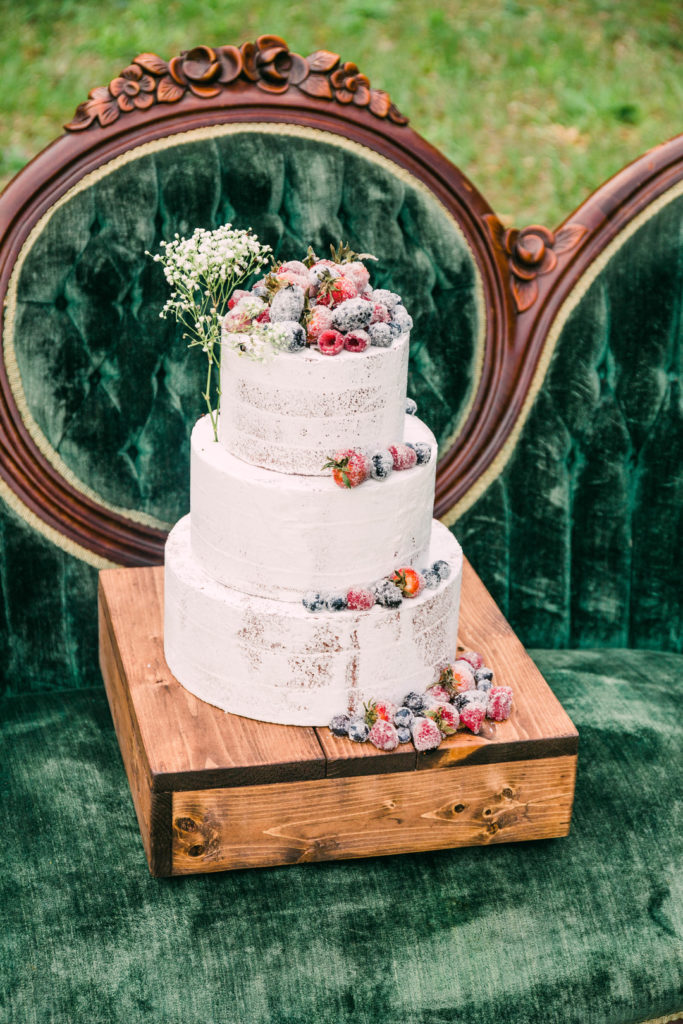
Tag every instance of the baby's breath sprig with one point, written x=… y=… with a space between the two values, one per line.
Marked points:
x=203 y=271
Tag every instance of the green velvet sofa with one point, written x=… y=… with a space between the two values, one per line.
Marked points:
x=548 y=365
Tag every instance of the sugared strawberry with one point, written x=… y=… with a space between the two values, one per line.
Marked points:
x=330 y=343
x=264 y=316
x=472 y=717
x=236 y=320
x=383 y=735
x=408 y=581
x=500 y=703
x=439 y=694
x=349 y=468
x=403 y=456
x=358 y=273
x=382 y=709
x=475 y=659
x=426 y=734
x=360 y=599
x=237 y=296
x=320 y=320
x=446 y=718
x=356 y=341
x=334 y=290
x=463 y=677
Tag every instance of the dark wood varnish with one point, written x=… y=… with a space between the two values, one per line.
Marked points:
x=214 y=791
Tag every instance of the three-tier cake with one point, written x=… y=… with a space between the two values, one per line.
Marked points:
x=268 y=525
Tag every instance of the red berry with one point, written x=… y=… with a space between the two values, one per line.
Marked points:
x=385 y=710
x=446 y=718
x=238 y=294
x=408 y=581
x=403 y=456
x=462 y=677
x=330 y=342
x=472 y=718
x=439 y=693
x=356 y=341
x=383 y=735
x=426 y=734
x=380 y=314
x=235 y=320
x=349 y=468
x=473 y=658
x=359 y=599
x=320 y=320
x=334 y=290
x=500 y=703
x=264 y=316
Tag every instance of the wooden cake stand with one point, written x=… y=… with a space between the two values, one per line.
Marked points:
x=214 y=791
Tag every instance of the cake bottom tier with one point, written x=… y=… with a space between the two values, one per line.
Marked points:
x=278 y=662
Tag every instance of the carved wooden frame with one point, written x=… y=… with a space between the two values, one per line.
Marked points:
x=525 y=274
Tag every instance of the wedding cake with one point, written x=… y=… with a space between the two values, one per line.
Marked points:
x=309 y=576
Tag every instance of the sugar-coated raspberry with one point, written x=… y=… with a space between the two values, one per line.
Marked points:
x=403 y=733
x=287 y=304
x=442 y=569
x=411 y=406
x=339 y=725
x=426 y=734
x=335 y=602
x=314 y=601
x=360 y=599
x=381 y=463
x=417 y=702
x=330 y=342
x=386 y=298
x=351 y=315
x=383 y=735
x=500 y=703
x=380 y=335
x=387 y=594
x=483 y=673
x=446 y=718
x=359 y=730
x=356 y=341
x=403 y=456
x=431 y=578
x=474 y=658
x=264 y=316
x=380 y=314
x=403 y=718
x=463 y=677
x=472 y=717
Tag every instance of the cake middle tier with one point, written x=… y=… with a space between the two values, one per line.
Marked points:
x=274 y=535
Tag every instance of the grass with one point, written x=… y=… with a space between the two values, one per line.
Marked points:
x=538 y=103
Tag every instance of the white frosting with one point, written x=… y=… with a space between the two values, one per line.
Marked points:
x=277 y=662
x=278 y=536
x=289 y=411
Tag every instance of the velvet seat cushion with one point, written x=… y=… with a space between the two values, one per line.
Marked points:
x=569 y=931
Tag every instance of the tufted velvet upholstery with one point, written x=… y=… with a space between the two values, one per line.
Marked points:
x=113 y=388
x=580 y=537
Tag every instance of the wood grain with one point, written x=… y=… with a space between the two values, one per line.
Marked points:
x=337 y=819
x=188 y=743
x=153 y=810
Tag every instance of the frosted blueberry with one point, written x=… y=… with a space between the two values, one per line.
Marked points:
x=380 y=334
x=382 y=464
x=386 y=298
x=404 y=734
x=484 y=685
x=431 y=578
x=335 y=602
x=403 y=718
x=339 y=725
x=411 y=406
x=483 y=673
x=359 y=730
x=313 y=601
x=293 y=336
x=402 y=317
x=417 y=702
x=442 y=569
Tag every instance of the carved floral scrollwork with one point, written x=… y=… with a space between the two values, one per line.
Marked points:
x=205 y=71
x=532 y=252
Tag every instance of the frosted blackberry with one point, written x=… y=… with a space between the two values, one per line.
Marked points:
x=335 y=602
x=293 y=336
x=411 y=406
x=442 y=569
x=287 y=304
x=387 y=594
x=380 y=334
x=351 y=315
x=404 y=734
x=382 y=464
x=431 y=578
x=417 y=702
x=359 y=730
x=403 y=718
x=313 y=601
x=386 y=298
x=339 y=725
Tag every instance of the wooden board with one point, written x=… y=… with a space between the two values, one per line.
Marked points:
x=214 y=791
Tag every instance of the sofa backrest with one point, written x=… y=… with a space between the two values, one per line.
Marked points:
x=98 y=394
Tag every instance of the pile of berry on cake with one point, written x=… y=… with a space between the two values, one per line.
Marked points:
x=462 y=698
x=328 y=303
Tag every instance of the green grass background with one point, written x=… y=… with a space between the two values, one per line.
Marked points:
x=538 y=103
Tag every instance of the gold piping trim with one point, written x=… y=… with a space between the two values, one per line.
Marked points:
x=158 y=145
x=49 y=532
x=571 y=302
